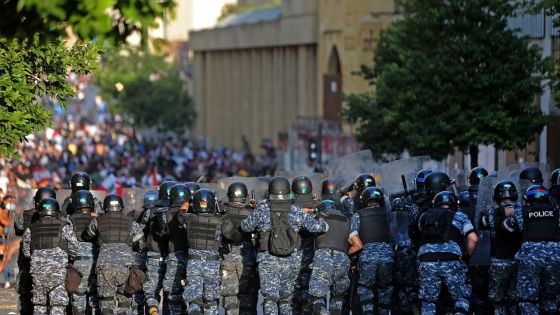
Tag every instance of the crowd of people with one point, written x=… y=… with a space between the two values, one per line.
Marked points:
x=338 y=252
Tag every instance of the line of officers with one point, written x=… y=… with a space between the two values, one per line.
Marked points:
x=306 y=257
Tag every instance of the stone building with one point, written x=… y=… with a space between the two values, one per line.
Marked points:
x=268 y=72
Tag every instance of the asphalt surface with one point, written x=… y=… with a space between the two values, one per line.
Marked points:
x=8 y=301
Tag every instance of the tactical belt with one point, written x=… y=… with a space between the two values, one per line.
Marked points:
x=438 y=257
x=197 y=257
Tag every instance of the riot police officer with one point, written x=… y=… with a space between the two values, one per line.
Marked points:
x=50 y=242
x=302 y=190
x=83 y=205
x=375 y=261
x=176 y=260
x=116 y=233
x=442 y=231
x=538 y=280
x=207 y=228
x=240 y=280
x=467 y=198
x=278 y=222
x=351 y=200
x=79 y=181
x=152 y=220
x=331 y=262
x=21 y=224
x=328 y=191
x=503 y=247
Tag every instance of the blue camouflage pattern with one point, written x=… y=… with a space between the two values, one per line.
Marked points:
x=175 y=271
x=48 y=273
x=539 y=271
x=330 y=275
x=503 y=282
x=202 y=290
x=155 y=272
x=278 y=274
x=375 y=266
x=460 y=222
x=454 y=275
x=138 y=303
x=239 y=280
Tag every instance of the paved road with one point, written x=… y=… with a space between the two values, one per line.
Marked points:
x=8 y=301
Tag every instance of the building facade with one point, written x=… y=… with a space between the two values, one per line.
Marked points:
x=267 y=73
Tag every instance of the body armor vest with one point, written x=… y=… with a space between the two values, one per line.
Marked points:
x=80 y=221
x=504 y=244
x=28 y=217
x=467 y=203
x=204 y=231
x=153 y=244
x=114 y=228
x=541 y=224
x=46 y=233
x=374 y=226
x=177 y=231
x=337 y=236
x=436 y=226
x=236 y=214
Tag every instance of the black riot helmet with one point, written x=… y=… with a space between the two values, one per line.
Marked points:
x=164 y=190
x=49 y=207
x=504 y=190
x=179 y=195
x=279 y=188
x=301 y=185
x=436 y=182
x=326 y=206
x=445 y=198
x=372 y=193
x=113 y=203
x=237 y=191
x=532 y=174
x=43 y=193
x=363 y=181
x=150 y=199
x=420 y=178
x=327 y=187
x=204 y=201
x=80 y=181
x=555 y=179
x=476 y=174
x=82 y=199
x=536 y=194
x=192 y=186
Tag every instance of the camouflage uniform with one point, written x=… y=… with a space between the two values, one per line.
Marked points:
x=176 y=260
x=278 y=274
x=503 y=268
x=539 y=266
x=84 y=262
x=113 y=265
x=139 y=299
x=155 y=262
x=330 y=274
x=203 y=282
x=239 y=287
x=375 y=264
x=451 y=272
x=48 y=272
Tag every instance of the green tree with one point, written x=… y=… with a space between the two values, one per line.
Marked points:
x=35 y=57
x=451 y=76
x=146 y=88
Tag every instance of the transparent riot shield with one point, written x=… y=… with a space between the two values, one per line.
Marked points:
x=484 y=201
x=344 y=170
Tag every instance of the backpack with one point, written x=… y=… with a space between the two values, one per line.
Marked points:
x=283 y=240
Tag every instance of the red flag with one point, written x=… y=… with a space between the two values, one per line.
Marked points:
x=154 y=177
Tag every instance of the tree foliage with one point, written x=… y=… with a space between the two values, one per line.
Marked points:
x=146 y=88
x=450 y=76
x=31 y=72
x=35 y=58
